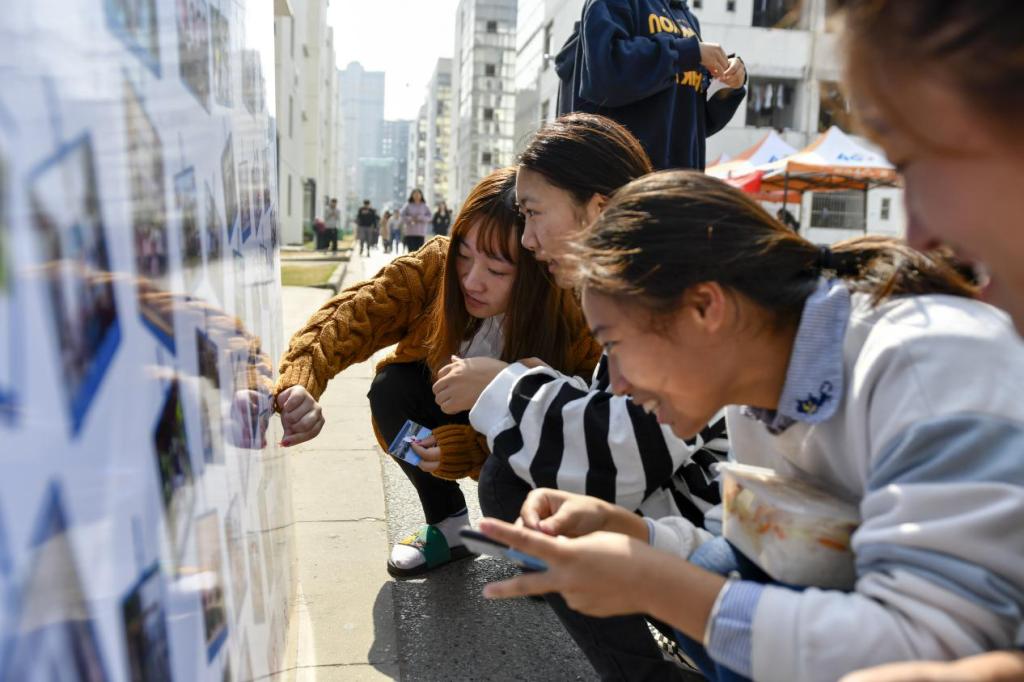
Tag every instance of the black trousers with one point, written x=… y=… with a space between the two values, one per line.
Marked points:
x=619 y=648
x=403 y=391
x=331 y=238
x=413 y=243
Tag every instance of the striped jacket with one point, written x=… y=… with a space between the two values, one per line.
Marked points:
x=555 y=431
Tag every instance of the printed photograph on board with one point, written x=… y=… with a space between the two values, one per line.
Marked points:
x=246 y=655
x=9 y=341
x=54 y=636
x=238 y=277
x=214 y=246
x=256 y=185
x=210 y=427
x=266 y=531
x=72 y=244
x=245 y=195
x=220 y=29
x=174 y=466
x=194 y=48
x=210 y=424
x=272 y=648
x=210 y=573
x=186 y=200
x=149 y=216
x=208 y=358
x=227 y=170
x=235 y=541
x=252 y=81
x=145 y=630
x=256 y=579
x=136 y=23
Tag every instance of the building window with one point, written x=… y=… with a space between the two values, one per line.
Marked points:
x=886 y=206
x=771 y=103
x=697 y=4
x=488 y=114
x=730 y=5
x=492 y=27
x=291 y=116
x=841 y=210
x=485 y=158
x=490 y=70
x=777 y=13
x=289 y=195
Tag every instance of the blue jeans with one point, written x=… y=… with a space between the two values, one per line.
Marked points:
x=719 y=556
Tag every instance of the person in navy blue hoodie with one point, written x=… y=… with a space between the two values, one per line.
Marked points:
x=644 y=64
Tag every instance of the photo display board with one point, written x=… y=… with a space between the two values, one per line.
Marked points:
x=145 y=510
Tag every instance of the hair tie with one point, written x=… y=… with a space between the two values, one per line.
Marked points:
x=825 y=261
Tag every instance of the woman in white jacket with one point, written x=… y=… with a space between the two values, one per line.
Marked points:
x=869 y=371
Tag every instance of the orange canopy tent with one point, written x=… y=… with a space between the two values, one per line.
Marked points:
x=833 y=161
x=745 y=171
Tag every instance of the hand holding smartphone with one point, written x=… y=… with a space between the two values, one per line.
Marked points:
x=401 y=446
x=481 y=544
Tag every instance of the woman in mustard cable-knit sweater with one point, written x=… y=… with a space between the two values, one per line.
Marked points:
x=480 y=297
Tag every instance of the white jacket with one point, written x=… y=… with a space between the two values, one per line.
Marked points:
x=928 y=439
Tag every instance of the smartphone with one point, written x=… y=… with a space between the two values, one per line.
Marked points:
x=401 y=446
x=479 y=543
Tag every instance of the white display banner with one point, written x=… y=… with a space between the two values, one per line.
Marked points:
x=145 y=512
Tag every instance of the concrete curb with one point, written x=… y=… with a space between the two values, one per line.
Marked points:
x=338 y=276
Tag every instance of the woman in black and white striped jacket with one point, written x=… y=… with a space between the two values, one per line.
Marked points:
x=555 y=431
x=547 y=429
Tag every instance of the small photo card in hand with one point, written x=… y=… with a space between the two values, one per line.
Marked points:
x=401 y=446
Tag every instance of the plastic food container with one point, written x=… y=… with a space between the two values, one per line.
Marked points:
x=798 y=534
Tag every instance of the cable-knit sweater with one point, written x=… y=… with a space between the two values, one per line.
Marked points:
x=394 y=307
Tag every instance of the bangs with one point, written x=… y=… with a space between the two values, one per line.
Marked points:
x=491 y=209
x=497 y=237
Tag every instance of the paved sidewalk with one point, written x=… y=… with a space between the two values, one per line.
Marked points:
x=355 y=622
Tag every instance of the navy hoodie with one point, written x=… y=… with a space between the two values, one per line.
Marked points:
x=638 y=62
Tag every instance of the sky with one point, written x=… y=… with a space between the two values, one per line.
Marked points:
x=403 y=38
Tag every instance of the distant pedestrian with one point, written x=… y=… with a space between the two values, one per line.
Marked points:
x=788 y=219
x=442 y=220
x=332 y=221
x=385 y=231
x=320 y=230
x=415 y=219
x=397 y=228
x=366 y=223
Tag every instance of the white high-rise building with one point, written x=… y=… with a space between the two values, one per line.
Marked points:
x=483 y=84
x=394 y=144
x=790 y=51
x=416 y=174
x=289 y=32
x=307 y=114
x=439 y=127
x=319 y=113
x=543 y=26
x=362 y=114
